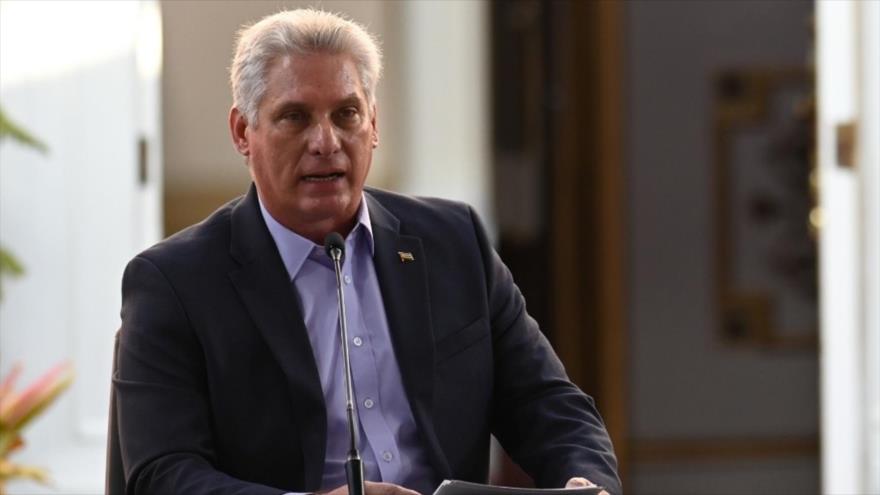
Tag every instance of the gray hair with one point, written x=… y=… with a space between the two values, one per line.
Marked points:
x=298 y=32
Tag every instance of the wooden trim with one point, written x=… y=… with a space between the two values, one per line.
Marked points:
x=588 y=230
x=570 y=320
x=611 y=256
x=722 y=449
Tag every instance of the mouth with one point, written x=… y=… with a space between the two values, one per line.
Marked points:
x=323 y=177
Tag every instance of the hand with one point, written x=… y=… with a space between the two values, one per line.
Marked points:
x=373 y=488
x=578 y=482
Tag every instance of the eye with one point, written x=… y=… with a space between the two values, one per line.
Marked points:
x=348 y=113
x=295 y=116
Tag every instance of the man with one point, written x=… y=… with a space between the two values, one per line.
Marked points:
x=229 y=375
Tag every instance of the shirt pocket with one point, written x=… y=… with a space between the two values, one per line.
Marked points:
x=460 y=340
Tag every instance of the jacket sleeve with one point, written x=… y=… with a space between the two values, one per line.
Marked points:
x=549 y=427
x=162 y=398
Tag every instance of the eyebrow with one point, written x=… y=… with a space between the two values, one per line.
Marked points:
x=350 y=100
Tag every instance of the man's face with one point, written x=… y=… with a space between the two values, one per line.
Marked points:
x=311 y=150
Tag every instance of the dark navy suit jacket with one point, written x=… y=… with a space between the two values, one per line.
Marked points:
x=217 y=390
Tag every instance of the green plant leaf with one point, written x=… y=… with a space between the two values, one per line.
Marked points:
x=9 y=266
x=8 y=263
x=9 y=129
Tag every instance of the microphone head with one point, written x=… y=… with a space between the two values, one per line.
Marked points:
x=333 y=242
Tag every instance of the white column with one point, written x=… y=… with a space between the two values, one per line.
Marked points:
x=868 y=140
x=445 y=109
x=847 y=56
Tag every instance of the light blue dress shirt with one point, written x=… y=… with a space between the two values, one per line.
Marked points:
x=390 y=442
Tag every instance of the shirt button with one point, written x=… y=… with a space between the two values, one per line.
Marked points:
x=387 y=456
x=357 y=341
x=347 y=279
x=369 y=403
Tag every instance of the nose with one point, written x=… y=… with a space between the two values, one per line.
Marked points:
x=323 y=138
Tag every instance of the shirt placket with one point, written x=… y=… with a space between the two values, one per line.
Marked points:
x=380 y=438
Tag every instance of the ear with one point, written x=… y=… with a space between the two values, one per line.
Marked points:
x=238 y=125
x=373 y=124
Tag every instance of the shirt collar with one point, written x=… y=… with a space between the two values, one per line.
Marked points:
x=295 y=249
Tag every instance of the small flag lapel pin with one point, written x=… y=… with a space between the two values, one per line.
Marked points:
x=405 y=256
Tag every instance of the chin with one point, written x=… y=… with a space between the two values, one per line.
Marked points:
x=330 y=204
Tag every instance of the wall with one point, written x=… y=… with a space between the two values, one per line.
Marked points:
x=686 y=384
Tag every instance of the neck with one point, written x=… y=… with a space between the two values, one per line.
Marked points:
x=317 y=231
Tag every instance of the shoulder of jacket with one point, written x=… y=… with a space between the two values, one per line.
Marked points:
x=423 y=208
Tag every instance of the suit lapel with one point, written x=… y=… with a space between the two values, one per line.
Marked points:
x=263 y=285
x=402 y=272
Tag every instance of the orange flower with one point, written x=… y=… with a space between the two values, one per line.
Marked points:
x=9 y=382
x=16 y=410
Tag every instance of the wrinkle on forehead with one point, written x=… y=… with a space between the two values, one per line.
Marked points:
x=339 y=66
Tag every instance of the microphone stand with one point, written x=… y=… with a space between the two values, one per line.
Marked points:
x=354 y=466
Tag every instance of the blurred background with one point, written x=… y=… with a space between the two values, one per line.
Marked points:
x=687 y=193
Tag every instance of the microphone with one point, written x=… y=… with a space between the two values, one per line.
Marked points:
x=334 y=246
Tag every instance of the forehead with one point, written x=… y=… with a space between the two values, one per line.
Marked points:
x=312 y=79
